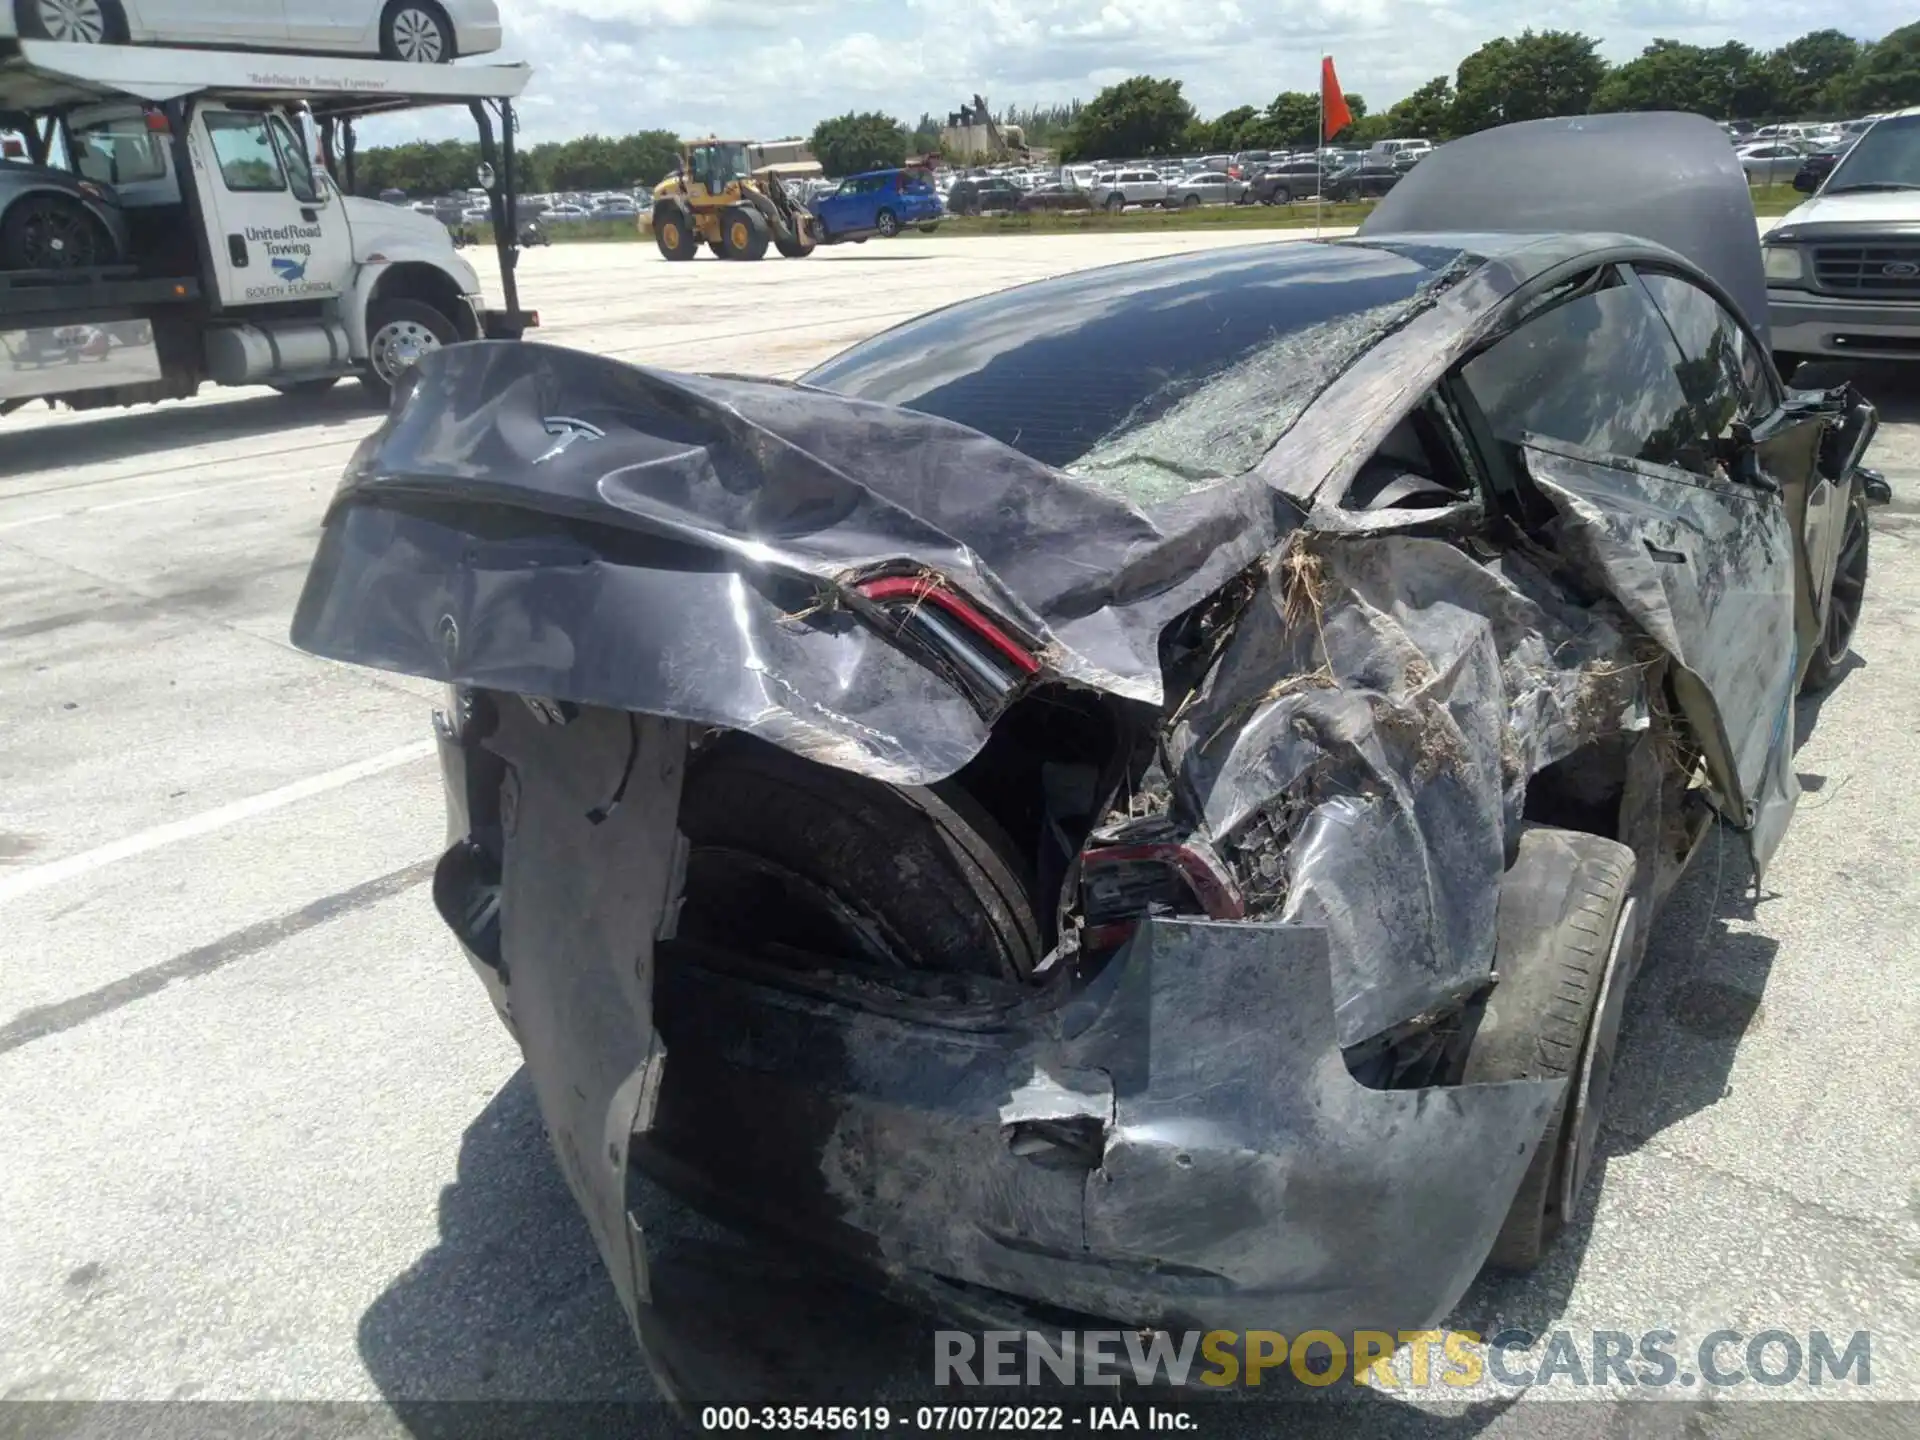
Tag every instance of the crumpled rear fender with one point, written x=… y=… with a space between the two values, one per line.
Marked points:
x=1177 y=1142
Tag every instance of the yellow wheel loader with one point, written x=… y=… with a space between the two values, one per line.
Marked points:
x=714 y=198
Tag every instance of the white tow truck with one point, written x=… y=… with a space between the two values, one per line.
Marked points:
x=212 y=236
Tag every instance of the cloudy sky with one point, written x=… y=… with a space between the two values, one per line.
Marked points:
x=765 y=68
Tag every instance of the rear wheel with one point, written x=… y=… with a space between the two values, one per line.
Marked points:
x=78 y=22
x=399 y=332
x=417 y=33
x=743 y=231
x=798 y=862
x=1565 y=951
x=887 y=223
x=673 y=233
x=53 y=232
x=796 y=246
x=1279 y=195
x=1845 y=598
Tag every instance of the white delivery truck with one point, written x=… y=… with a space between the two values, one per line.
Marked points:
x=164 y=224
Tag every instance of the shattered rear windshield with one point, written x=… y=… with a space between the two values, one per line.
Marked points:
x=1152 y=378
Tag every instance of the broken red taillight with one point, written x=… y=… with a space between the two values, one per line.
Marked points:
x=918 y=589
x=1122 y=883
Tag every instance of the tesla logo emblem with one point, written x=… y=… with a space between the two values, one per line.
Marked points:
x=1902 y=268
x=566 y=430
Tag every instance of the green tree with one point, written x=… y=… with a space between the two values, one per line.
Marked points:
x=1426 y=114
x=1526 y=77
x=1140 y=116
x=1292 y=119
x=851 y=143
x=1225 y=132
x=1805 y=71
x=1887 y=75
x=1725 y=82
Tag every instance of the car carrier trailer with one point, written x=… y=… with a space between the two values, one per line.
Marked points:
x=242 y=261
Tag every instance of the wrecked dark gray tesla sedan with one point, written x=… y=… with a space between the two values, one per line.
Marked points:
x=1141 y=795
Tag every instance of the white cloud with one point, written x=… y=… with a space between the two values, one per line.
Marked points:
x=775 y=67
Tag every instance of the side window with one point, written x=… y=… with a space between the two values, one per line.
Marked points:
x=1725 y=371
x=293 y=158
x=120 y=152
x=1600 y=372
x=244 y=151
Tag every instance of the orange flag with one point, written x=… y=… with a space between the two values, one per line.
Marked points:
x=1334 y=115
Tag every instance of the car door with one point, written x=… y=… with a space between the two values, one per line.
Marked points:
x=1661 y=502
x=277 y=231
x=863 y=202
x=350 y=25
x=832 y=209
x=231 y=22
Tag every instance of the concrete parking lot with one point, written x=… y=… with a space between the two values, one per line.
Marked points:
x=264 y=1138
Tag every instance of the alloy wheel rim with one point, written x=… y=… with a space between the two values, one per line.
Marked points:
x=57 y=240
x=80 y=22
x=416 y=36
x=398 y=347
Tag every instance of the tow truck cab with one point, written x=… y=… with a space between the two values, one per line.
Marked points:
x=245 y=261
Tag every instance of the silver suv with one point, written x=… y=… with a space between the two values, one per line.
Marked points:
x=1129 y=187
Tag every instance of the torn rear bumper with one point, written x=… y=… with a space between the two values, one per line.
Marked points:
x=1175 y=1142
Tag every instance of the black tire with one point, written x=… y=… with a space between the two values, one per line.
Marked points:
x=1116 y=203
x=1279 y=195
x=296 y=388
x=794 y=247
x=744 y=233
x=927 y=227
x=1786 y=362
x=53 y=232
x=1190 y=202
x=887 y=223
x=787 y=855
x=398 y=332
x=716 y=249
x=42 y=22
x=673 y=233
x=1567 y=937
x=418 y=33
x=1846 y=598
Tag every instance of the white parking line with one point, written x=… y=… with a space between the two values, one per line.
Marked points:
x=54 y=872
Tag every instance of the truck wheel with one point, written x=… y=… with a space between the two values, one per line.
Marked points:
x=792 y=859
x=1845 y=598
x=673 y=232
x=744 y=232
x=78 y=22
x=887 y=223
x=416 y=32
x=399 y=332
x=51 y=232
x=1565 y=949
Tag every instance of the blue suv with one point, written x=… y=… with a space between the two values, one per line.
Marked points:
x=880 y=202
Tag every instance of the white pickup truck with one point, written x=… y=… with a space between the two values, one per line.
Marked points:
x=1843 y=269
x=232 y=257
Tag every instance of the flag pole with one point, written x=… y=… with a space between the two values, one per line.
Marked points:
x=1319 y=139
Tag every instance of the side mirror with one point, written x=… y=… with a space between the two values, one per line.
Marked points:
x=1804 y=183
